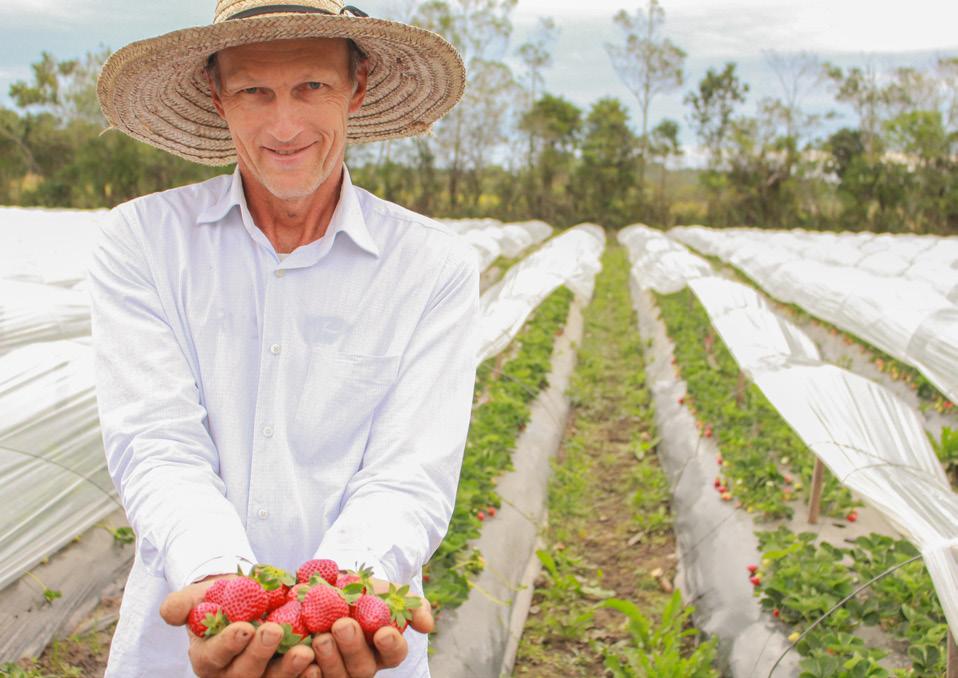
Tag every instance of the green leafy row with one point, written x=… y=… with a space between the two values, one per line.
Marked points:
x=612 y=424
x=802 y=581
x=499 y=415
x=757 y=445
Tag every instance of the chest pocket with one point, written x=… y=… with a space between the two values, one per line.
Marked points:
x=340 y=393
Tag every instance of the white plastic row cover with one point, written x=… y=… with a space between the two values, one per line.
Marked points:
x=572 y=258
x=908 y=318
x=871 y=440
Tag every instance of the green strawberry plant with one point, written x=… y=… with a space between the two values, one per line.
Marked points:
x=758 y=447
x=498 y=417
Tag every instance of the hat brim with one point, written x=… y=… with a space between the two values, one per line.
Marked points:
x=156 y=90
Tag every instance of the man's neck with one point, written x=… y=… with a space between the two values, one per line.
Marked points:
x=292 y=223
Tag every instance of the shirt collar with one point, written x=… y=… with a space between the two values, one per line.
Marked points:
x=348 y=216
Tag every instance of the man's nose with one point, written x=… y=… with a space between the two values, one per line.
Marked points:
x=286 y=119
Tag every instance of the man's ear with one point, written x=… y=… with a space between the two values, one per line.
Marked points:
x=215 y=96
x=359 y=89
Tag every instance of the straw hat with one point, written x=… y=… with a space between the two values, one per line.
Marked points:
x=156 y=90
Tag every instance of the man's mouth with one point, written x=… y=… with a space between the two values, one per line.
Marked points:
x=288 y=152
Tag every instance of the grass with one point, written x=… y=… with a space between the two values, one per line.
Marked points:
x=604 y=601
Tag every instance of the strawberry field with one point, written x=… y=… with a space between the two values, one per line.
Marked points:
x=689 y=455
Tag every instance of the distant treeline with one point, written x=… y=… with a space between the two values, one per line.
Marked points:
x=514 y=151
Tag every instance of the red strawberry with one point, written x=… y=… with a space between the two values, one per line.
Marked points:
x=776 y=613
x=243 y=600
x=708 y=431
x=206 y=619
x=214 y=594
x=372 y=613
x=852 y=517
x=752 y=569
x=327 y=569
x=481 y=516
x=400 y=605
x=756 y=580
x=298 y=592
x=491 y=511
x=323 y=606
x=275 y=582
x=290 y=616
x=346 y=578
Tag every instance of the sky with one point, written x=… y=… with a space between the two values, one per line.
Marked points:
x=846 y=32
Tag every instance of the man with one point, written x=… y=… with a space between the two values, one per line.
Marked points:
x=284 y=362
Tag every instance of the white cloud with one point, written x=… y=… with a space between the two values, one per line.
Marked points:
x=733 y=28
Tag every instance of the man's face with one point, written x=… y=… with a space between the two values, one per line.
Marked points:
x=287 y=104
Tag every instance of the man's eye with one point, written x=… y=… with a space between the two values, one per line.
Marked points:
x=251 y=90
x=314 y=85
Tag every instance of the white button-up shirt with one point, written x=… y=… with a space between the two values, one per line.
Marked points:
x=264 y=409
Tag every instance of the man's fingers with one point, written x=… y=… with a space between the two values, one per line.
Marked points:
x=292 y=664
x=312 y=671
x=254 y=659
x=392 y=647
x=211 y=655
x=328 y=659
x=357 y=655
x=422 y=619
x=176 y=607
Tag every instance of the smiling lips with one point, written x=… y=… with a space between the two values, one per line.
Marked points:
x=287 y=153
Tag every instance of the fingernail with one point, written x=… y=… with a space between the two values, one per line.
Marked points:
x=325 y=644
x=388 y=641
x=346 y=632
x=271 y=636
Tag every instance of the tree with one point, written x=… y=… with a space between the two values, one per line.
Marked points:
x=65 y=88
x=536 y=56
x=797 y=74
x=664 y=145
x=556 y=122
x=860 y=88
x=648 y=63
x=713 y=106
x=480 y=30
x=605 y=182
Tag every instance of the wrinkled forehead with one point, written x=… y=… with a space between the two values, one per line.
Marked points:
x=282 y=54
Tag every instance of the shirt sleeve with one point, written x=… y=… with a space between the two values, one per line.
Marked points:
x=397 y=507
x=158 y=448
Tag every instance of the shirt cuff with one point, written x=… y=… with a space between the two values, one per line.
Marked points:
x=192 y=554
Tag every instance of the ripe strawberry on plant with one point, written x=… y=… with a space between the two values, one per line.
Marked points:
x=275 y=581
x=206 y=620
x=290 y=617
x=327 y=569
x=322 y=606
x=243 y=600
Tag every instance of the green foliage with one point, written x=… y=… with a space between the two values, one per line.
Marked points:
x=494 y=428
x=803 y=580
x=946 y=447
x=662 y=650
x=757 y=445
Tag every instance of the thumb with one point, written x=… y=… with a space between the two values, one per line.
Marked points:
x=176 y=607
x=422 y=619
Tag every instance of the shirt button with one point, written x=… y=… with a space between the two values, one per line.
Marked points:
x=268 y=431
x=263 y=514
x=279 y=273
x=274 y=349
